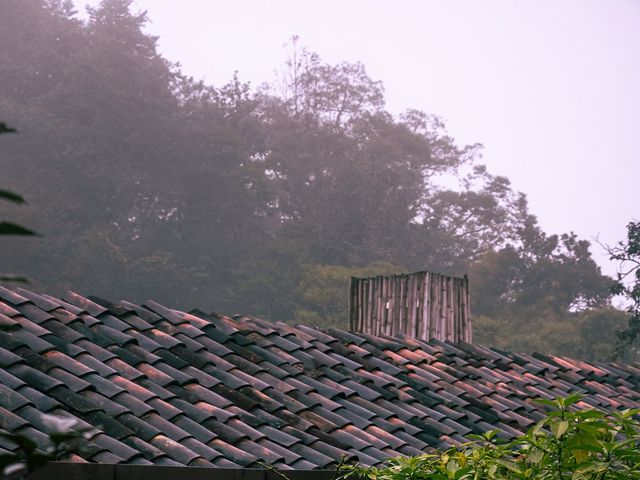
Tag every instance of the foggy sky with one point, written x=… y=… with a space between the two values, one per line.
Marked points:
x=549 y=87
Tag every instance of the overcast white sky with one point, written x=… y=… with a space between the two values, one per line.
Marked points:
x=549 y=87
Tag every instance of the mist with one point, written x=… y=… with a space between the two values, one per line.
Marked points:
x=262 y=192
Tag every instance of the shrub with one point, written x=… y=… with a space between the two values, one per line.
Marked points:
x=568 y=443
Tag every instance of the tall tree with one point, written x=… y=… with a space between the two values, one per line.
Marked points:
x=545 y=293
x=237 y=200
x=628 y=284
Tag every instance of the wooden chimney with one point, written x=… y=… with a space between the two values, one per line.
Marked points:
x=423 y=305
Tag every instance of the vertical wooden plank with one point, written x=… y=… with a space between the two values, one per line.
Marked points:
x=385 y=304
x=390 y=302
x=411 y=303
x=353 y=309
x=452 y=307
x=410 y=298
x=370 y=301
x=432 y=326
x=426 y=293
x=441 y=325
x=369 y=308
x=380 y=305
x=418 y=303
x=410 y=293
x=457 y=326
x=432 y=306
x=450 y=325
x=438 y=307
x=376 y=306
x=395 y=322
x=358 y=300
x=373 y=297
x=352 y=304
x=468 y=330
x=363 y=304
x=402 y=303
x=443 y=306
x=360 y=306
x=372 y=304
x=461 y=307
x=461 y=302
x=389 y=305
x=436 y=304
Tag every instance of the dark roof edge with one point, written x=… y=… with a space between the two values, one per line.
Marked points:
x=95 y=471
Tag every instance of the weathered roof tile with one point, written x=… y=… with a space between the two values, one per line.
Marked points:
x=174 y=388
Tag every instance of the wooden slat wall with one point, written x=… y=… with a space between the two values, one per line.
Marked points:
x=423 y=305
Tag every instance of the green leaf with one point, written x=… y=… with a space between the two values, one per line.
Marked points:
x=535 y=455
x=11 y=197
x=580 y=456
x=571 y=399
x=8 y=228
x=590 y=413
x=559 y=428
x=535 y=431
x=462 y=473
x=511 y=466
x=9 y=277
x=5 y=129
x=543 y=401
x=587 y=448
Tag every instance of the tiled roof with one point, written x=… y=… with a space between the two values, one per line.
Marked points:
x=172 y=388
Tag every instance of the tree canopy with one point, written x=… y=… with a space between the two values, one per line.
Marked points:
x=627 y=252
x=149 y=184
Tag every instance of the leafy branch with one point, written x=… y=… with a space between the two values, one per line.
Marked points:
x=10 y=228
x=569 y=443
x=628 y=284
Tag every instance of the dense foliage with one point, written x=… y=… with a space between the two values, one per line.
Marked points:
x=628 y=284
x=567 y=444
x=149 y=184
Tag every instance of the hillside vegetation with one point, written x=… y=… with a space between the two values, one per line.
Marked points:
x=145 y=183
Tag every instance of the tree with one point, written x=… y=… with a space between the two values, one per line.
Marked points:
x=628 y=284
x=332 y=95
x=244 y=200
x=150 y=182
x=545 y=293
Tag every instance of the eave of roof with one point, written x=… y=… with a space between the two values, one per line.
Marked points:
x=93 y=471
